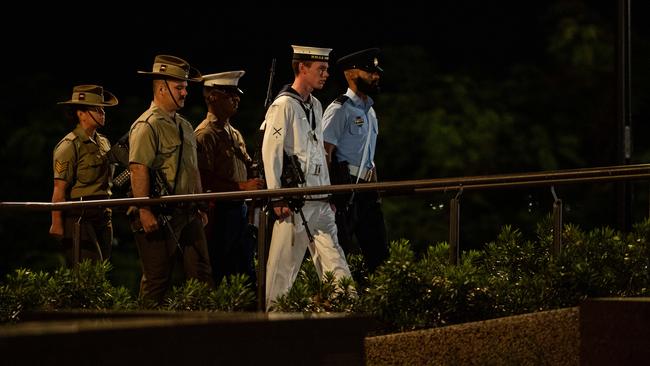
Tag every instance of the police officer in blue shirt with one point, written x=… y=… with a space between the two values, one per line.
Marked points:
x=350 y=134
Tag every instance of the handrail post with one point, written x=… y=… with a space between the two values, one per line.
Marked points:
x=261 y=259
x=624 y=112
x=454 y=229
x=557 y=225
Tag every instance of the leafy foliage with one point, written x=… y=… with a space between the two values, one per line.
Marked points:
x=512 y=275
x=84 y=287
x=232 y=294
x=314 y=294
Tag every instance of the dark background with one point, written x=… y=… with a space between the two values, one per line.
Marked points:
x=470 y=88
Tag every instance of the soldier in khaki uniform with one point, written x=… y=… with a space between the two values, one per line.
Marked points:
x=162 y=142
x=82 y=172
x=224 y=164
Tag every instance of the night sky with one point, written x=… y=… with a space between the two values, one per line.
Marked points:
x=108 y=46
x=45 y=55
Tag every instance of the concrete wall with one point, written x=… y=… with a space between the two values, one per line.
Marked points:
x=544 y=338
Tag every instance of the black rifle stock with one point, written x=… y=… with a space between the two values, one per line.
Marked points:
x=293 y=176
x=159 y=187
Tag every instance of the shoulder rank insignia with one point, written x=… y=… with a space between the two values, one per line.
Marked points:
x=341 y=99
x=358 y=121
x=60 y=166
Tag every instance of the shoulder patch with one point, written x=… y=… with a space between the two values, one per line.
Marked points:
x=341 y=99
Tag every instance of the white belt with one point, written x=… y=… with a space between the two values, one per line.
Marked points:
x=365 y=174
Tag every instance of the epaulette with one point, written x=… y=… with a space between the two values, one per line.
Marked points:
x=70 y=137
x=149 y=116
x=144 y=117
x=341 y=99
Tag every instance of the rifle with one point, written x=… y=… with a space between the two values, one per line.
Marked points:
x=257 y=166
x=269 y=88
x=292 y=176
x=159 y=187
x=119 y=156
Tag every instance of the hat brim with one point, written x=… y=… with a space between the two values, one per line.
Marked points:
x=109 y=101
x=372 y=69
x=364 y=68
x=226 y=88
x=194 y=75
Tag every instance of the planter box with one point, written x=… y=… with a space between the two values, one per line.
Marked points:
x=544 y=338
x=191 y=338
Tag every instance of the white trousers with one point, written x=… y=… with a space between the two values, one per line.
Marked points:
x=289 y=242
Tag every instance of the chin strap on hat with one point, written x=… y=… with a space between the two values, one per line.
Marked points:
x=171 y=94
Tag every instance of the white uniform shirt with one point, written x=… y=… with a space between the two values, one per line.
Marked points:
x=288 y=129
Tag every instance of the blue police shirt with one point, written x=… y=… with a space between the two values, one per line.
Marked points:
x=346 y=125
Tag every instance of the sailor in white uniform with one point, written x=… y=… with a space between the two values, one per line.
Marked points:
x=294 y=128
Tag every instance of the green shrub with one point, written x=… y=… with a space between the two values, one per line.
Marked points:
x=310 y=293
x=236 y=294
x=84 y=287
x=404 y=294
x=512 y=275
x=517 y=272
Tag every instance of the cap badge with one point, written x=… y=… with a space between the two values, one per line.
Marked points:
x=375 y=61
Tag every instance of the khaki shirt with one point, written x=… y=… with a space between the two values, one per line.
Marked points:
x=155 y=142
x=222 y=155
x=81 y=161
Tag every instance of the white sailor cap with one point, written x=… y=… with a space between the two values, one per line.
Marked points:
x=225 y=80
x=304 y=53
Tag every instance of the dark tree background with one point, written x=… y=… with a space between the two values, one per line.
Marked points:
x=470 y=88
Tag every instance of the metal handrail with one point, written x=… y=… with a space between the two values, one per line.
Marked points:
x=517 y=180
x=558 y=177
